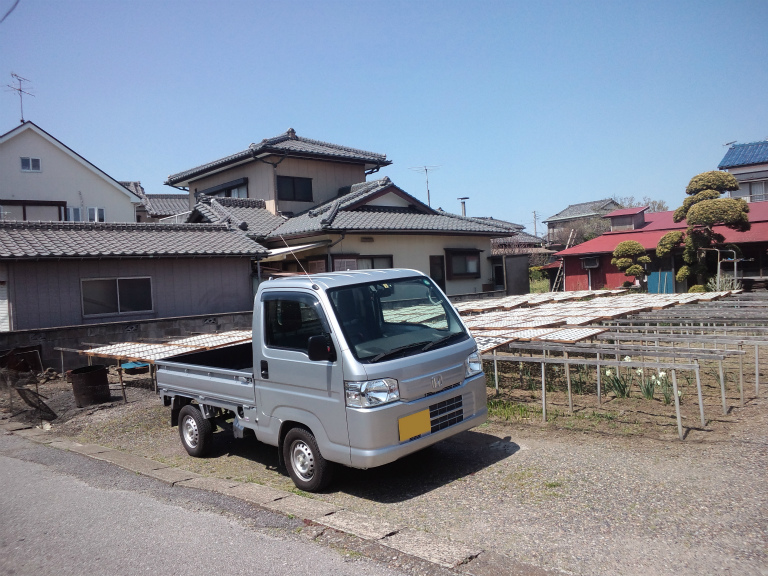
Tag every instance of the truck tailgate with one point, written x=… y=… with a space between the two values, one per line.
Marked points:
x=206 y=383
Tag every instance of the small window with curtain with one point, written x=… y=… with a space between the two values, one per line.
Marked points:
x=462 y=264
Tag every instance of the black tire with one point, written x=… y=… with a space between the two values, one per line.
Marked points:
x=306 y=466
x=195 y=431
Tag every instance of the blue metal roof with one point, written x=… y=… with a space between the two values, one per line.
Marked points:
x=745 y=155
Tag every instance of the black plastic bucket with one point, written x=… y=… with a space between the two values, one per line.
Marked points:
x=90 y=385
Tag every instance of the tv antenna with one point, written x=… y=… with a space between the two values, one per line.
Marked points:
x=20 y=91
x=729 y=143
x=426 y=170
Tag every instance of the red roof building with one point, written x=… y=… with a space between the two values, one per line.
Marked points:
x=588 y=265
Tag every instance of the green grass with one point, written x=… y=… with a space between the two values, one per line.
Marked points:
x=538 y=286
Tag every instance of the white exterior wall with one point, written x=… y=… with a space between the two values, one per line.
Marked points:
x=62 y=178
x=413 y=251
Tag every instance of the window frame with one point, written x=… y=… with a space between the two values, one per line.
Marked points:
x=450 y=253
x=310 y=300
x=31 y=160
x=280 y=192
x=117 y=290
x=70 y=211
x=96 y=212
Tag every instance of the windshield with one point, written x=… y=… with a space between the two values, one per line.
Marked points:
x=383 y=320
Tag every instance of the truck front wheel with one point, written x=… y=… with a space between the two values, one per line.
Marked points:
x=306 y=466
x=196 y=432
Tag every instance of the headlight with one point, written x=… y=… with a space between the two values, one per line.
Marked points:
x=371 y=392
x=473 y=365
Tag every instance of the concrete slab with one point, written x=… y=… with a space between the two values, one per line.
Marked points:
x=130 y=462
x=430 y=547
x=36 y=434
x=492 y=564
x=208 y=483
x=13 y=426
x=301 y=507
x=172 y=475
x=63 y=444
x=89 y=449
x=255 y=493
x=359 y=525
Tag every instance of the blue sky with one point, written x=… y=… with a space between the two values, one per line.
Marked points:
x=524 y=106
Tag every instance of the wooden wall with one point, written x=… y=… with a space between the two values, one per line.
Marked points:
x=47 y=293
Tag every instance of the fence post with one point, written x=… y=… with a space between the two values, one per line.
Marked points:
x=677 y=405
x=543 y=395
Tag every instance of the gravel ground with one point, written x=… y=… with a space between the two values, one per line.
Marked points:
x=586 y=501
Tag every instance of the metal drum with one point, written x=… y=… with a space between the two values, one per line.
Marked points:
x=90 y=385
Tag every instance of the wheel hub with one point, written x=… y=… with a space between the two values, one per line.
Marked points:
x=303 y=460
x=191 y=433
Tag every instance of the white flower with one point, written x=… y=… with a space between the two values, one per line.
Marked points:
x=680 y=393
x=607 y=372
x=662 y=374
x=653 y=377
x=627 y=359
x=640 y=371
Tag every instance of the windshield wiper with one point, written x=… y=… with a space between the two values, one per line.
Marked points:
x=443 y=340
x=398 y=350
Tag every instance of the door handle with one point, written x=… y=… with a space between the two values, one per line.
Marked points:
x=264 y=369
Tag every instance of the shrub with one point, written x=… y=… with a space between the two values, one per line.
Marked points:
x=696 y=288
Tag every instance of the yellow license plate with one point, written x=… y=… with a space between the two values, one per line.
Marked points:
x=413 y=425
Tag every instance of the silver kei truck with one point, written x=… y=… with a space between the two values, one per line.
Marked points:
x=354 y=368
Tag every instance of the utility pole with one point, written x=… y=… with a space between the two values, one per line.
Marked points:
x=20 y=91
x=534 y=224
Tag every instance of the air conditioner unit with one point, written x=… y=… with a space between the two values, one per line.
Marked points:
x=590 y=263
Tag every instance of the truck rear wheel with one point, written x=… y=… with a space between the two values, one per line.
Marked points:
x=196 y=432
x=306 y=466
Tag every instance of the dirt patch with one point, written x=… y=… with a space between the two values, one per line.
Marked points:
x=607 y=490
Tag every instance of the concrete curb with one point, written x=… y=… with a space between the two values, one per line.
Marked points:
x=405 y=540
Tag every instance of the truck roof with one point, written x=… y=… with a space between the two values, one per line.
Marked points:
x=335 y=279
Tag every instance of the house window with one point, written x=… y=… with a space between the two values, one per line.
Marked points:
x=96 y=214
x=369 y=262
x=291 y=188
x=102 y=296
x=758 y=191
x=344 y=264
x=74 y=214
x=462 y=264
x=316 y=266
x=232 y=189
x=30 y=164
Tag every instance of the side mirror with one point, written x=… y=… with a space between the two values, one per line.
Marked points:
x=320 y=348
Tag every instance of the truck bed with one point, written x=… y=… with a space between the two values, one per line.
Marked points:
x=220 y=377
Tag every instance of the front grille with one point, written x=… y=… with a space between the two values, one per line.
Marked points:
x=446 y=413
x=442 y=390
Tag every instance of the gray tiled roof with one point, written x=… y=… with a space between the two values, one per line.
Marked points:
x=519 y=238
x=594 y=208
x=745 y=155
x=236 y=210
x=285 y=144
x=88 y=239
x=349 y=212
x=158 y=205
x=162 y=205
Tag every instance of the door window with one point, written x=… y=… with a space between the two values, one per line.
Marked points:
x=291 y=319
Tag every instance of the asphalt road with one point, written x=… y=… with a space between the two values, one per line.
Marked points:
x=62 y=513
